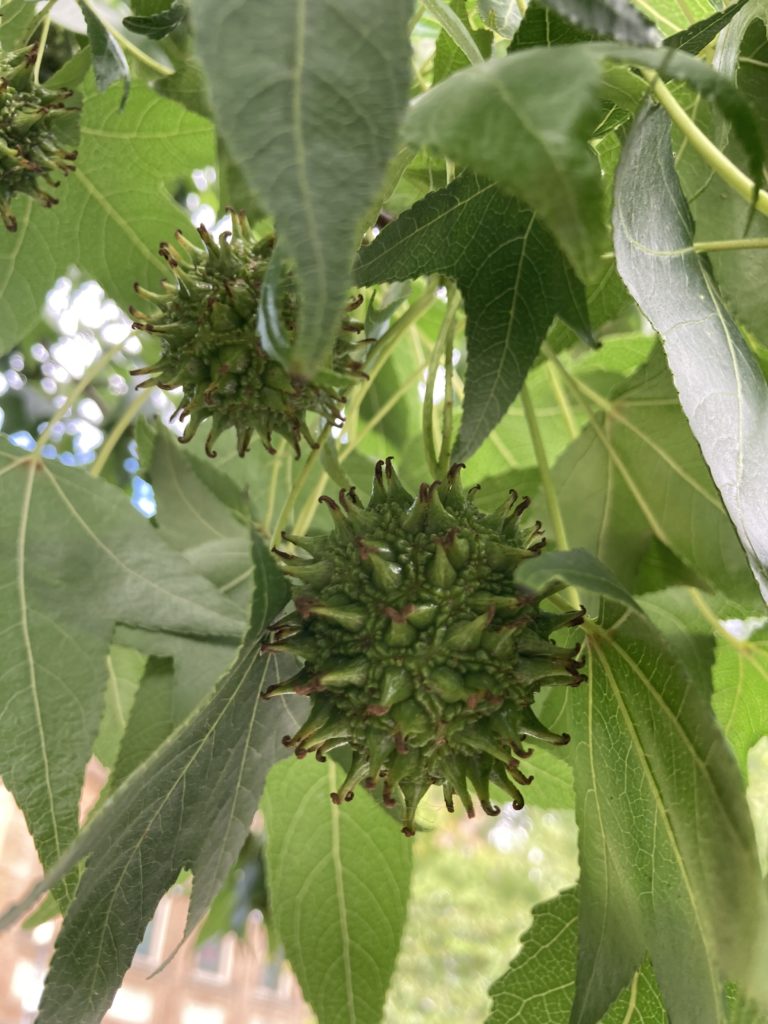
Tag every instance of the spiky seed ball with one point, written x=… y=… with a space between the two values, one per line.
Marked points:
x=207 y=323
x=421 y=652
x=31 y=152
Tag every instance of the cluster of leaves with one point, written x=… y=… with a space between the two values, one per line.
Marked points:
x=586 y=179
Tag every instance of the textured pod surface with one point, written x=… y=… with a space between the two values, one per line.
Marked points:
x=32 y=155
x=207 y=321
x=420 y=651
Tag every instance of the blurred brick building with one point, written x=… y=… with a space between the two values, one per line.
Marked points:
x=222 y=981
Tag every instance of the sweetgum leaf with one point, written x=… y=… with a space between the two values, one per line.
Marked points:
x=113 y=211
x=636 y=472
x=189 y=806
x=613 y=19
x=125 y=668
x=312 y=126
x=491 y=118
x=736 y=663
x=525 y=122
x=674 y=15
x=17 y=22
x=672 y=871
x=694 y=38
x=338 y=878
x=717 y=211
x=108 y=60
x=150 y=722
x=76 y=559
x=512 y=276
x=539 y=985
x=720 y=384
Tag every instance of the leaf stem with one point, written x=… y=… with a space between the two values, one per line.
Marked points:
x=46 y=25
x=132 y=48
x=732 y=175
x=445 y=337
x=299 y=482
x=112 y=440
x=547 y=484
x=455 y=29
x=445 y=446
x=91 y=374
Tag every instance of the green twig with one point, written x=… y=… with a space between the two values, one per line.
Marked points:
x=46 y=25
x=299 y=482
x=91 y=374
x=113 y=438
x=547 y=483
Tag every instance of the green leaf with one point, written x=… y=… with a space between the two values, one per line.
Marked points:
x=717 y=211
x=76 y=559
x=672 y=871
x=511 y=274
x=636 y=472
x=188 y=807
x=613 y=19
x=338 y=880
x=542 y=26
x=579 y=568
x=539 y=985
x=725 y=650
x=113 y=210
x=151 y=720
x=721 y=386
x=125 y=668
x=109 y=63
x=523 y=121
x=18 y=19
x=503 y=16
x=159 y=24
x=674 y=15
x=457 y=41
x=279 y=97
x=694 y=38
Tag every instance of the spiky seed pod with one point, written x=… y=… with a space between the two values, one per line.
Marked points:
x=206 y=320
x=421 y=652
x=32 y=155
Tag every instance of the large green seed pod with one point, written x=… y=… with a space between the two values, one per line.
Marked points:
x=421 y=653
x=207 y=319
x=32 y=154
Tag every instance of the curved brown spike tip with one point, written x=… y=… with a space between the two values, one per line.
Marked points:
x=350 y=796
x=283 y=554
x=579 y=617
x=209 y=451
x=522 y=505
x=286 y=740
x=473 y=490
x=521 y=752
x=432 y=488
x=379 y=470
x=335 y=799
x=578 y=680
x=455 y=470
x=518 y=804
x=388 y=464
x=407 y=831
x=424 y=493
x=563 y=740
x=325 y=499
x=490 y=809
x=319 y=756
x=301 y=752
